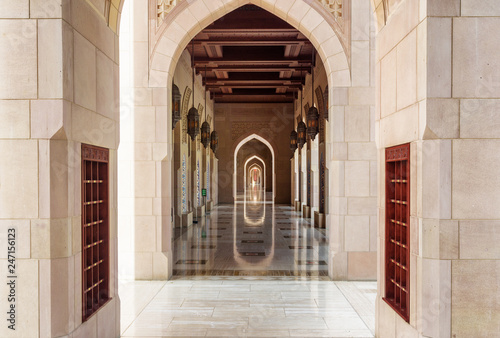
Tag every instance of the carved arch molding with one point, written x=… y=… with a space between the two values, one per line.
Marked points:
x=162 y=12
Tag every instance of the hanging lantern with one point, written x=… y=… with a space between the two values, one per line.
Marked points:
x=193 y=117
x=313 y=114
x=193 y=123
x=301 y=134
x=214 y=141
x=293 y=141
x=205 y=134
x=301 y=127
x=176 y=106
x=312 y=122
x=205 y=127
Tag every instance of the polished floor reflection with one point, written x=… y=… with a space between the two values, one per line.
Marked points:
x=229 y=306
x=252 y=269
x=253 y=237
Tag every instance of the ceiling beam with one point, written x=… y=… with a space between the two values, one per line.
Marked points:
x=253 y=41
x=243 y=93
x=243 y=101
x=241 y=84
x=285 y=101
x=260 y=59
x=251 y=31
x=213 y=51
x=253 y=77
x=254 y=85
x=252 y=69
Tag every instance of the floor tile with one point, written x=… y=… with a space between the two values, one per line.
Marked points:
x=281 y=290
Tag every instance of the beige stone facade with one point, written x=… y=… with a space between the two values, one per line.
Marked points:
x=101 y=72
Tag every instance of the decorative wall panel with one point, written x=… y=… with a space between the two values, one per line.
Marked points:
x=340 y=11
x=208 y=179
x=309 y=180
x=322 y=181
x=164 y=7
x=198 y=183
x=184 y=185
x=95 y=229
x=239 y=129
x=397 y=229
x=336 y=8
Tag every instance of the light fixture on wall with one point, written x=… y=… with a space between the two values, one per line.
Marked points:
x=301 y=127
x=312 y=114
x=214 y=137
x=205 y=127
x=176 y=105
x=293 y=141
x=193 y=116
x=214 y=140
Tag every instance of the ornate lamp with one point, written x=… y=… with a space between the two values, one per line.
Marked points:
x=205 y=127
x=176 y=105
x=193 y=117
x=301 y=127
x=205 y=134
x=293 y=141
x=214 y=141
x=312 y=114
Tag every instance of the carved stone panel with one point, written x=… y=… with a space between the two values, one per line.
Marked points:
x=163 y=7
x=242 y=128
x=336 y=8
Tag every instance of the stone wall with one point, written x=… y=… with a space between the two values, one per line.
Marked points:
x=437 y=71
x=272 y=122
x=352 y=165
x=59 y=89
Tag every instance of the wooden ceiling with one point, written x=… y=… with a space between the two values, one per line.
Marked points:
x=252 y=56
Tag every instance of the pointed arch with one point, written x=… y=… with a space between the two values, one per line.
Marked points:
x=255 y=157
x=273 y=154
x=311 y=18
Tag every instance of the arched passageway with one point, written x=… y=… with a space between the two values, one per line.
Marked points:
x=427 y=90
x=255 y=174
x=168 y=41
x=252 y=151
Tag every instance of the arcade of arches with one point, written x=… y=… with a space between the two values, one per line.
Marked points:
x=100 y=181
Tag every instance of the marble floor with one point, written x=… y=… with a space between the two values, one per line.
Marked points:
x=251 y=237
x=229 y=306
x=253 y=269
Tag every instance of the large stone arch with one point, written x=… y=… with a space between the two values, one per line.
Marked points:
x=189 y=18
x=313 y=20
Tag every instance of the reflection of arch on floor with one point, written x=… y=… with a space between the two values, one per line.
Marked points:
x=235 y=175
x=262 y=169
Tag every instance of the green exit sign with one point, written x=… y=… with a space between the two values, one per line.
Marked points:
x=204 y=192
